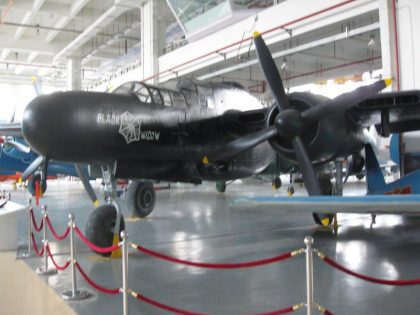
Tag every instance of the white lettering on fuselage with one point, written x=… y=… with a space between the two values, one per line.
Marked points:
x=129 y=127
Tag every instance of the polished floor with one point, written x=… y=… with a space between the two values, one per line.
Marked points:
x=196 y=223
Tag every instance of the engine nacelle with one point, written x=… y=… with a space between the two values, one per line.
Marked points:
x=324 y=140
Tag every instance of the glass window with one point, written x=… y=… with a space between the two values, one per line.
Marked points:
x=178 y=99
x=157 y=99
x=142 y=93
x=166 y=98
x=125 y=88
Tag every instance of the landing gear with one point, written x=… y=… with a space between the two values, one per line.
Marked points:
x=106 y=222
x=221 y=186
x=32 y=184
x=290 y=190
x=141 y=198
x=101 y=226
x=276 y=183
x=324 y=219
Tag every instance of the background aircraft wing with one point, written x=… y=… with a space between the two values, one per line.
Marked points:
x=400 y=109
x=11 y=129
x=402 y=204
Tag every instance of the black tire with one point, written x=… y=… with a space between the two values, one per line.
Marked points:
x=31 y=184
x=100 y=226
x=276 y=183
x=290 y=190
x=360 y=176
x=324 y=219
x=221 y=186
x=141 y=198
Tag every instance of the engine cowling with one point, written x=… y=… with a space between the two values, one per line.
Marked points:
x=325 y=140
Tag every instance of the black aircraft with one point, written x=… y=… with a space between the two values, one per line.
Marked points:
x=196 y=132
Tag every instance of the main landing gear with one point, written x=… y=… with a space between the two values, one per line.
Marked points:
x=141 y=198
x=276 y=182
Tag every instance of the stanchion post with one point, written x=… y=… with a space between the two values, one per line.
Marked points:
x=309 y=276
x=45 y=270
x=29 y=253
x=124 y=271
x=73 y=294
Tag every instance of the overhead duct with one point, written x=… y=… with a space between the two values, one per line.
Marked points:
x=119 y=7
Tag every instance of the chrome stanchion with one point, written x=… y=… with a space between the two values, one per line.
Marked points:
x=29 y=253
x=45 y=270
x=125 y=272
x=309 y=276
x=73 y=294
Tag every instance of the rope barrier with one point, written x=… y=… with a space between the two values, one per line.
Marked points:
x=93 y=284
x=53 y=231
x=175 y=310
x=37 y=227
x=322 y=309
x=57 y=266
x=336 y=265
x=37 y=251
x=102 y=250
x=248 y=264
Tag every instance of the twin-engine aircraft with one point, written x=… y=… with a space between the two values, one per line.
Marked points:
x=204 y=131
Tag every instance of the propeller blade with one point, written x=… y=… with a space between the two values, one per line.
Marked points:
x=241 y=144
x=344 y=101
x=18 y=146
x=271 y=73
x=306 y=168
x=32 y=167
x=86 y=184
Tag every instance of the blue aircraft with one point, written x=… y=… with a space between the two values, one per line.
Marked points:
x=400 y=196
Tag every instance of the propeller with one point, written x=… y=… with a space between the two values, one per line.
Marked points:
x=290 y=122
x=86 y=184
x=32 y=167
x=18 y=146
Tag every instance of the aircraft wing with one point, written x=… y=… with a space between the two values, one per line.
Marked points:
x=11 y=129
x=401 y=108
x=401 y=204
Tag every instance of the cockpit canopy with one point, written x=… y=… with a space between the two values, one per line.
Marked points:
x=151 y=94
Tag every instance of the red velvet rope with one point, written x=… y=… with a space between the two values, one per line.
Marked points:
x=37 y=227
x=185 y=312
x=163 y=306
x=57 y=237
x=93 y=284
x=102 y=250
x=57 y=266
x=215 y=266
x=37 y=252
x=368 y=278
x=286 y=310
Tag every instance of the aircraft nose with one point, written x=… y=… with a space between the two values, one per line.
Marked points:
x=36 y=123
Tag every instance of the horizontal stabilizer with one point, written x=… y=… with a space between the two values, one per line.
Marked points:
x=402 y=204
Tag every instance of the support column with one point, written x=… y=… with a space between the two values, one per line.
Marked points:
x=388 y=43
x=74 y=74
x=152 y=38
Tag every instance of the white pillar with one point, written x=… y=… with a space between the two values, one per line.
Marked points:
x=152 y=38
x=74 y=74
x=388 y=44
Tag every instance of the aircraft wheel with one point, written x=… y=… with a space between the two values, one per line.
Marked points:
x=324 y=219
x=141 y=198
x=360 y=176
x=100 y=226
x=276 y=183
x=31 y=184
x=221 y=186
x=290 y=190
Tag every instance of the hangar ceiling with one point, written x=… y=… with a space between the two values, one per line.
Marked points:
x=38 y=36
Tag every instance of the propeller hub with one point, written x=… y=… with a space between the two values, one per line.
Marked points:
x=289 y=123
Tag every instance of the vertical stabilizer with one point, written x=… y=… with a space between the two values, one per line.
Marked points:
x=374 y=177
